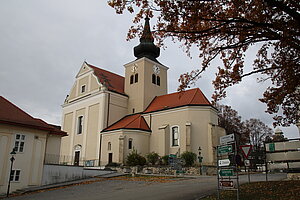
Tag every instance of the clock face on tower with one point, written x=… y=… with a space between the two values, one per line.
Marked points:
x=156 y=69
x=134 y=68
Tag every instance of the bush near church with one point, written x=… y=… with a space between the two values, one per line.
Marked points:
x=189 y=158
x=134 y=159
x=164 y=160
x=152 y=158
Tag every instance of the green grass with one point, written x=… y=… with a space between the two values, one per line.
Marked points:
x=282 y=190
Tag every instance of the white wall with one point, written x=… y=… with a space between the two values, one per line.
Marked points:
x=58 y=173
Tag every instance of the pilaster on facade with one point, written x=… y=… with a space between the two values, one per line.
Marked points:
x=121 y=148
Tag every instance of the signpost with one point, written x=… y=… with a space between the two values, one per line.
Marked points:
x=246 y=149
x=224 y=163
x=225 y=149
x=226 y=172
x=228 y=178
x=226 y=184
x=227 y=139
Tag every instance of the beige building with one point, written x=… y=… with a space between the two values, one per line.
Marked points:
x=107 y=115
x=32 y=139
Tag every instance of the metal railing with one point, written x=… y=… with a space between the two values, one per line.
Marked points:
x=70 y=160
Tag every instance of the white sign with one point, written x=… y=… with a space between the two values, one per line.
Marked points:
x=224 y=162
x=227 y=139
x=247 y=163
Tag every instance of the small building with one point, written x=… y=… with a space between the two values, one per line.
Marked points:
x=107 y=115
x=31 y=139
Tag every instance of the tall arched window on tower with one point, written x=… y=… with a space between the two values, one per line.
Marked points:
x=175 y=136
x=153 y=79
x=131 y=79
x=136 y=78
x=158 y=81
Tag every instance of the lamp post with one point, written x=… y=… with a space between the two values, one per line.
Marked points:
x=200 y=159
x=12 y=159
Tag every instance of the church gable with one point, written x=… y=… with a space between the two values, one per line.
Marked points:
x=111 y=81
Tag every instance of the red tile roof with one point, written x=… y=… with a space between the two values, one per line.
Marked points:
x=12 y=115
x=174 y=100
x=113 y=82
x=133 y=122
x=178 y=99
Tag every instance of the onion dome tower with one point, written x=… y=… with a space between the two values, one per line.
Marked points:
x=147 y=48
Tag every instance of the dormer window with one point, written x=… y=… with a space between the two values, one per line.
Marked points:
x=83 y=87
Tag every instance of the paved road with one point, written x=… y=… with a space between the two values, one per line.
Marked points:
x=183 y=189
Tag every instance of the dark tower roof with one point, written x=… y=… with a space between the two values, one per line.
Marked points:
x=147 y=48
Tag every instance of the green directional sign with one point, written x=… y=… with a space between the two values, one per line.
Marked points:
x=271 y=147
x=226 y=172
x=224 y=149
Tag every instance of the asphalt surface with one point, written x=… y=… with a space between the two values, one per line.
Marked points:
x=110 y=189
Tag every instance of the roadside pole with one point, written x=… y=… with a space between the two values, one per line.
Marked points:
x=228 y=176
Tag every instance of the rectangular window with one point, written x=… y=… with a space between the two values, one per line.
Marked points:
x=79 y=124
x=82 y=88
x=15 y=175
x=19 y=143
x=175 y=136
x=130 y=144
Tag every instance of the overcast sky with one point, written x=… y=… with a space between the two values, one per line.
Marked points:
x=43 y=44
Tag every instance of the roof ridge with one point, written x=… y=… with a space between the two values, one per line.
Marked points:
x=192 y=99
x=17 y=108
x=137 y=116
x=93 y=67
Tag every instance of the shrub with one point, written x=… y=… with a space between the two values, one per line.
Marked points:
x=152 y=158
x=134 y=159
x=189 y=158
x=165 y=160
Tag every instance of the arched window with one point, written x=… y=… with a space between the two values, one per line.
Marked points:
x=109 y=146
x=131 y=79
x=79 y=124
x=136 y=78
x=153 y=79
x=130 y=143
x=158 y=81
x=175 y=136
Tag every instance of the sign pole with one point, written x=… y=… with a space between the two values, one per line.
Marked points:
x=248 y=175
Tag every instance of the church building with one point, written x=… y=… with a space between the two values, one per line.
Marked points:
x=107 y=116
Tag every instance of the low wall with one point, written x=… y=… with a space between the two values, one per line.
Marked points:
x=60 y=173
x=166 y=170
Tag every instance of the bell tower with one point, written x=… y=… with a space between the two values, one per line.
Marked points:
x=145 y=77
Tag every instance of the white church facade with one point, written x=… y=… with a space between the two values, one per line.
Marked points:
x=107 y=115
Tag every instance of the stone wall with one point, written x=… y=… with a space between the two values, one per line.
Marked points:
x=166 y=170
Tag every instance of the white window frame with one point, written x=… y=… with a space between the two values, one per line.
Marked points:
x=13 y=175
x=178 y=136
x=79 y=125
x=20 y=143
